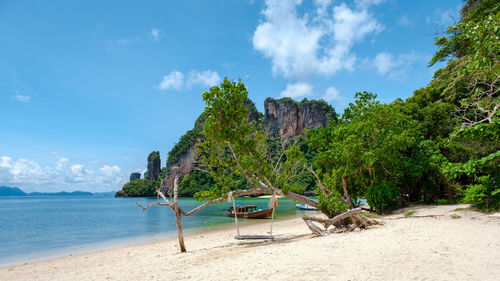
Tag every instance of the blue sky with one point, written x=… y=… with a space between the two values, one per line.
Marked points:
x=89 y=88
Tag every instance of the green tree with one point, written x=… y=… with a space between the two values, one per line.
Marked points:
x=233 y=146
x=375 y=143
x=138 y=188
x=472 y=48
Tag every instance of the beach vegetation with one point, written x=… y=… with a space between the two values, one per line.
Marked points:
x=410 y=213
x=138 y=188
x=186 y=141
x=455 y=216
x=484 y=195
x=370 y=215
x=383 y=197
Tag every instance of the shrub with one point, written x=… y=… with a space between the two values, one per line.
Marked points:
x=485 y=195
x=120 y=193
x=383 y=197
x=138 y=188
x=331 y=204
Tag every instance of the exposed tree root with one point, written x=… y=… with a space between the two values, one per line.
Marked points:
x=338 y=222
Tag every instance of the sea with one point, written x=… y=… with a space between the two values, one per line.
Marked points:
x=41 y=227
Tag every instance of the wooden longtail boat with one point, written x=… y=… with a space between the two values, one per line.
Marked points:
x=249 y=212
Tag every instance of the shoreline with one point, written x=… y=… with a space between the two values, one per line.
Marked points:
x=430 y=245
x=105 y=223
x=118 y=243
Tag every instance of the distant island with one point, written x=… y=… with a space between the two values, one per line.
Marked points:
x=62 y=193
x=11 y=191
x=15 y=191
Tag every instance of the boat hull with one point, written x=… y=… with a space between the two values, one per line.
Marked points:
x=306 y=207
x=260 y=214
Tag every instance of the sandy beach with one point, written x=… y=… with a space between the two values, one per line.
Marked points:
x=420 y=247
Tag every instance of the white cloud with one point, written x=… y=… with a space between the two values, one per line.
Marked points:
x=62 y=163
x=22 y=98
x=331 y=93
x=367 y=3
x=303 y=45
x=297 y=90
x=63 y=175
x=384 y=62
x=5 y=161
x=204 y=78
x=25 y=170
x=79 y=173
x=155 y=33
x=394 y=66
x=110 y=174
x=174 y=80
x=5 y=166
x=322 y=5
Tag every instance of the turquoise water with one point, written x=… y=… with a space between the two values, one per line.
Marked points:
x=33 y=228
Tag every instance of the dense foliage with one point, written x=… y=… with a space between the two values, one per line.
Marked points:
x=440 y=143
x=138 y=188
x=375 y=144
x=484 y=195
x=474 y=42
x=383 y=197
x=187 y=141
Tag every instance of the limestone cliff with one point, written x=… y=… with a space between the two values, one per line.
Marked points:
x=135 y=176
x=288 y=118
x=154 y=166
x=283 y=117
x=183 y=154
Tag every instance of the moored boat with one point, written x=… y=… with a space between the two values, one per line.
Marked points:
x=250 y=212
x=306 y=207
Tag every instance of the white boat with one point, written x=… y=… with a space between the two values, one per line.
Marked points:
x=306 y=207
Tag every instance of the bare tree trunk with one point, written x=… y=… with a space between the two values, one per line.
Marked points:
x=179 y=230
x=178 y=215
x=328 y=222
x=315 y=229
x=346 y=193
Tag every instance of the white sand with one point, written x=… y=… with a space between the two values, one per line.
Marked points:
x=427 y=248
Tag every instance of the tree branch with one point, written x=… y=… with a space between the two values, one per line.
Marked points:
x=320 y=184
x=328 y=222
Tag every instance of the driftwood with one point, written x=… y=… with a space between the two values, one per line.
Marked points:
x=359 y=222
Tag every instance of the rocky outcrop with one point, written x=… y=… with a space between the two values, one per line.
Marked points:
x=283 y=117
x=135 y=176
x=154 y=166
x=183 y=154
x=288 y=118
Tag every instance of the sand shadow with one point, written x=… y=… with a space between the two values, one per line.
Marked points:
x=279 y=239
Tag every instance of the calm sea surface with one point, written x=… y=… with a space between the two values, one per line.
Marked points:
x=33 y=228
